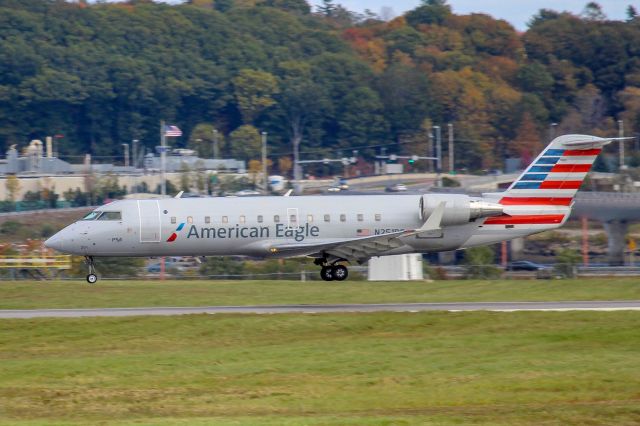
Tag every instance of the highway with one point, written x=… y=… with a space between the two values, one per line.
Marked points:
x=318 y=309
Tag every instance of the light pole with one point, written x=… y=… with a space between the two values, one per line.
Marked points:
x=552 y=131
x=451 y=152
x=214 y=151
x=126 y=154
x=163 y=159
x=621 y=135
x=134 y=144
x=265 y=188
x=438 y=153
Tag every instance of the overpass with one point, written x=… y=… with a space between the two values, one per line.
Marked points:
x=615 y=210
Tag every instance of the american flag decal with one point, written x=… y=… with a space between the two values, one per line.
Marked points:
x=363 y=232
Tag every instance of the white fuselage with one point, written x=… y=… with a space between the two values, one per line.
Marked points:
x=250 y=226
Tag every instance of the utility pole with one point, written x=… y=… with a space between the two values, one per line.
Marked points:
x=126 y=154
x=214 y=151
x=451 y=152
x=621 y=135
x=163 y=159
x=265 y=189
x=438 y=153
x=134 y=145
x=552 y=131
x=297 y=171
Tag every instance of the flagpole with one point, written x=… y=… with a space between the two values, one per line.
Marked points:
x=163 y=158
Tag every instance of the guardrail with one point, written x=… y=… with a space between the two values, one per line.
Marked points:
x=62 y=262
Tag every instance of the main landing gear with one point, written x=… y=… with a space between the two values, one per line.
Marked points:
x=92 y=278
x=332 y=272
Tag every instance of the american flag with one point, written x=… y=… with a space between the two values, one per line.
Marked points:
x=363 y=232
x=172 y=131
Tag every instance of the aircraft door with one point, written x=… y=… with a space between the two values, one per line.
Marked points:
x=150 y=226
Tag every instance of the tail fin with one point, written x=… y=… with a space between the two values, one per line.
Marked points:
x=544 y=193
x=555 y=176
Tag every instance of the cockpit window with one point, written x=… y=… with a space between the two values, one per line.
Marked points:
x=110 y=216
x=92 y=215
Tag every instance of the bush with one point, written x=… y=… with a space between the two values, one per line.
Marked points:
x=566 y=261
x=479 y=263
x=222 y=266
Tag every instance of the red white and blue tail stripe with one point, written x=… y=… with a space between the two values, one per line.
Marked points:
x=544 y=193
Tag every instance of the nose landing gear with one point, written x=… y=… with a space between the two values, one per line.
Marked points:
x=92 y=278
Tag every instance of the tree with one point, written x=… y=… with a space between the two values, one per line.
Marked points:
x=431 y=12
x=526 y=144
x=245 y=142
x=632 y=13
x=284 y=165
x=301 y=101
x=254 y=92
x=201 y=140
x=593 y=12
x=12 y=183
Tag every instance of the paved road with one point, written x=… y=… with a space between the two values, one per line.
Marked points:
x=312 y=309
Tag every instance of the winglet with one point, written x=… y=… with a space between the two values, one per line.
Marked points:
x=179 y=194
x=434 y=220
x=288 y=193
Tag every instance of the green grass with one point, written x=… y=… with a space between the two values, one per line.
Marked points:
x=548 y=368
x=78 y=294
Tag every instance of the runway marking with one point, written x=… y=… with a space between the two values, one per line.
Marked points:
x=620 y=305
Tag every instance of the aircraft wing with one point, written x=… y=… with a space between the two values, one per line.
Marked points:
x=354 y=249
x=361 y=249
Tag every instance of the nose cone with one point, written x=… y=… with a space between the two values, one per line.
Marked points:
x=56 y=242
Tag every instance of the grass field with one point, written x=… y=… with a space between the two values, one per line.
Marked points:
x=489 y=368
x=78 y=294
x=356 y=369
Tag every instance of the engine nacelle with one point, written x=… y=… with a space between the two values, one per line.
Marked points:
x=459 y=209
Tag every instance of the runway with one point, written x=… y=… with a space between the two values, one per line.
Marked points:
x=319 y=309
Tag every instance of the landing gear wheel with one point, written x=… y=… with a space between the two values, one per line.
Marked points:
x=92 y=278
x=340 y=272
x=326 y=273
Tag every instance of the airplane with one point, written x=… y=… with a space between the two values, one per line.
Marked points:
x=334 y=230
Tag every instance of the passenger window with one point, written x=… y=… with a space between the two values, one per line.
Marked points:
x=189 y=219
x=378 y=217
x=310 y=218
x=327 y=218
x=343 y=218
x=173 y=220
x=243 y=219
x=225 y=219
x=207 y=219
x=260 y=218
x=110 y=216
x=360 y=217
x=276 y=219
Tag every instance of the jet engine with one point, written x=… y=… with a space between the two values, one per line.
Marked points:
x=459 y=209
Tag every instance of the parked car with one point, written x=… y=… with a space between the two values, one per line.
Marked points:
x=333 y=189
x=247 y=192
x=396 y=187
x=525 y=265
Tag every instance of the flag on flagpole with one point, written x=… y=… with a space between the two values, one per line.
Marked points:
x=172 y=131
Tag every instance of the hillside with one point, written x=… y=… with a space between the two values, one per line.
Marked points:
x=105 y=74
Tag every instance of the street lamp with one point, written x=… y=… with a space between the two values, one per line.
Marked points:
x=214 y=148
x=134 y=144
x=265 y=188
x=126 y=154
